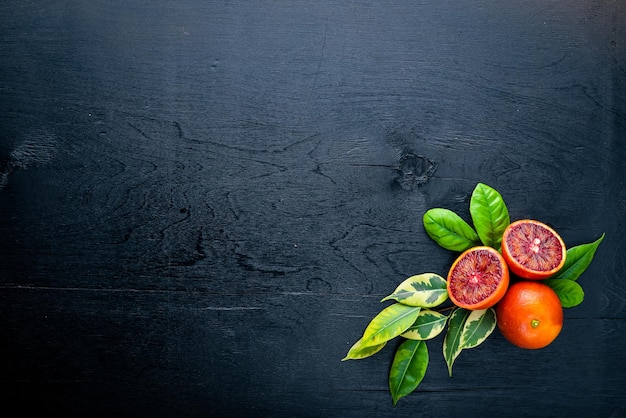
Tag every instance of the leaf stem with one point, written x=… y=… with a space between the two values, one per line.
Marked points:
x=447 y=308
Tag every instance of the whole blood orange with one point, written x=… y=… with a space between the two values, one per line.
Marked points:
x=478 y=278
x=530 y=315
x=532 y=249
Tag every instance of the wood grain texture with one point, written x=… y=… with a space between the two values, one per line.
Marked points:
x=202 y=202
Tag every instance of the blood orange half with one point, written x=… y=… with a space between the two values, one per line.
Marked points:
x=478 y=278
x=532 y=249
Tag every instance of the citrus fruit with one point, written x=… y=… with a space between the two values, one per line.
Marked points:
x=478 y=278
x=530 y=315
x=532 y=249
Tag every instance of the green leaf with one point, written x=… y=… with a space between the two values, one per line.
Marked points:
x=389 y=323
x=578 y=259
x=359 y=352
x=448 y=230
x=569 y=292
x=428 y=325
x=489 y=215
x=424 y=290
x=452 y=341
x=408 y=368
x=478 y=326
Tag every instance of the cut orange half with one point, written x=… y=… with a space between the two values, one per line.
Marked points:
x=478 y=279
x=532 y=249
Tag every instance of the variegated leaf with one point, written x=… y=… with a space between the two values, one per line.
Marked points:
x=478 y=326
x=408 y=368
x=425 y=290
x=428 y=325
x=452 y=341
x=389 y=323
x=359 y=352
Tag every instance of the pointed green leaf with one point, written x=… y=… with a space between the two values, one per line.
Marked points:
x=578 y=259
x=424 y=290
x=389 y=323
x=359 y=352
x=428 y=325
x=408 y=368
x=478 y=326
x=452 y=341
x=489 y=215
x=448 y=230
x=569 y=292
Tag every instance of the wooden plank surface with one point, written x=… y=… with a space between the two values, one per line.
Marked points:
x=203 y=202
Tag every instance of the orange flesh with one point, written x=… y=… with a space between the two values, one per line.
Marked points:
x=476 y=277
x=534 y=247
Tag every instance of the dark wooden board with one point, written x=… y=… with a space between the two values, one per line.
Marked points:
x=202 y=202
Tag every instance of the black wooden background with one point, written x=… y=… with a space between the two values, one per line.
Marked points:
x=203 y=202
